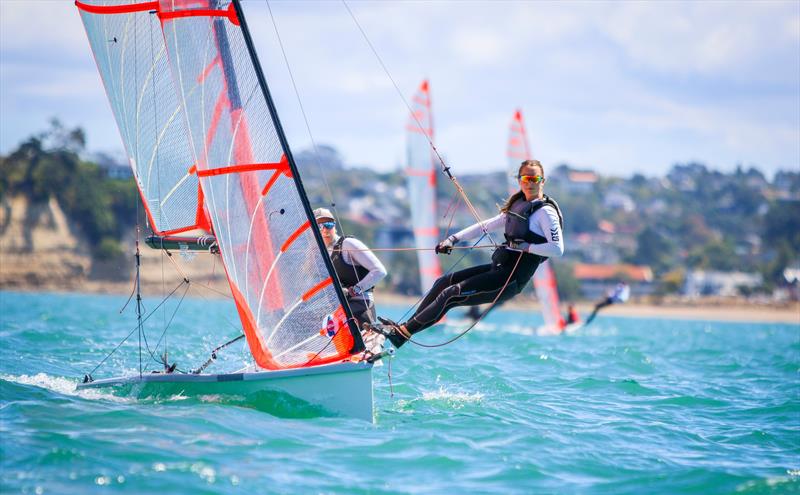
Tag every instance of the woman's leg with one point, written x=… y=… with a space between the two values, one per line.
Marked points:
x=478 y=289
x=446 y=281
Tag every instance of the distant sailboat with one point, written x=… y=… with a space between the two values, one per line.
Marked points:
x=421 y=172
x=210 y=157
x=544 y=279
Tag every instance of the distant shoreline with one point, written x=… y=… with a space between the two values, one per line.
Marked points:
x=716 y=309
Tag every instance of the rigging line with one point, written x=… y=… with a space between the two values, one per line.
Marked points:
x=452 y=267
x=445 y=167
x=442 y=344
x=136 y=327
x=482 y=246
x=302 y=109
x=164 y=333
x=163 y=360
x=310 y=134
x=158 y=189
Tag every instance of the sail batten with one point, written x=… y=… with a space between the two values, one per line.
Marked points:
x=241 y=172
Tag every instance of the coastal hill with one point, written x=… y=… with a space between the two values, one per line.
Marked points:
x=68 y=221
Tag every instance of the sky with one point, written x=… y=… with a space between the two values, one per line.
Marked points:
x=620 y=87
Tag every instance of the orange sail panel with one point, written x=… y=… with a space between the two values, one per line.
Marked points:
x=276 y=265
x=129 y=50
x=421 y=173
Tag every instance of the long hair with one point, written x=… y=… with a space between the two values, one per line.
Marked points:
x=519 y=194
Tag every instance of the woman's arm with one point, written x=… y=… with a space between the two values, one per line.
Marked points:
x=546 y=219
x=476 y=229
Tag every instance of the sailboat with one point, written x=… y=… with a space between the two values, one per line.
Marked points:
x=421 y=171
x=211 y=161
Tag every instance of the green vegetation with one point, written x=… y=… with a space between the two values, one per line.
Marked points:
x=694 y=218
x=49 y=165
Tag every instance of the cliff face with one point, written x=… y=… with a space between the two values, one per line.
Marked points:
x=41 y=249
x=38 y=248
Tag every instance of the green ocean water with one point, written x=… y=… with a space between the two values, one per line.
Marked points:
x=629 y=405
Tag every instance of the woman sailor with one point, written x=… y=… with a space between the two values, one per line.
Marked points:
x=356 y=266
x=533 y=232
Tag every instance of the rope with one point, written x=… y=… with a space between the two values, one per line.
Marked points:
x=445 y=167
x=136 y=327
x=310 y=133
x=442 y=344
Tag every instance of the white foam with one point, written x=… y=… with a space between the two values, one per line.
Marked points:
x=63 y=386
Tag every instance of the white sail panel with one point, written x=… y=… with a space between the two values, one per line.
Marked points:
x=421 y=172
x=278 y=270
x=129 y=49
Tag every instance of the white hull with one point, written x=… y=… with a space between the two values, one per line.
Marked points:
x=341 y=388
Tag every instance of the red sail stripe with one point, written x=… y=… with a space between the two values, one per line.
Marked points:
x=432 y=270
x=295 y=235
x=208 y=70
x=308 y=295
x=237 y=169
x=230 y=13
x=432 y=231
x=415 y=128
x=271 y=182
x=222 y=100
x=116 y=9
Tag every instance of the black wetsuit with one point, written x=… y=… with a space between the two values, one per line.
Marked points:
x=503 y=277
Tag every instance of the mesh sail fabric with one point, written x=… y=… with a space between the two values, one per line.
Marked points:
x=282 y=286
x=131 y=57
x=421 y=172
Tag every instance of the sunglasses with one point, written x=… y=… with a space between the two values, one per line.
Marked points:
x=328 y=225
x=536 y=179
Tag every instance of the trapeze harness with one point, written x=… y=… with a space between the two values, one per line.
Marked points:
x=481 y=284
x=363 y=308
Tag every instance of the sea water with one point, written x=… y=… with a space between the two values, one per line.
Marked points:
x=627 y=405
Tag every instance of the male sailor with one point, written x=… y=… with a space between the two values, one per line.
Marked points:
x=620 y=294
x=356 y=266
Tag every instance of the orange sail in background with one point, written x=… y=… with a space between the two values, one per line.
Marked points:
x=421 y=172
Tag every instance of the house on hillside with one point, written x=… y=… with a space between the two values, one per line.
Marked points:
x=596 y=280
x=726 y=284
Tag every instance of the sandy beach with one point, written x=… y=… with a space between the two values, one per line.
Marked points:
x=733 y=310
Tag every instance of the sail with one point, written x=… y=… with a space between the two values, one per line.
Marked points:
x=131 y=58
x=544 y=279
x=286 y=292
x=421 y=172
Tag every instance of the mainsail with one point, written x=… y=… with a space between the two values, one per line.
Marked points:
x=187 y=88
x=544 y=279
x=421 y=172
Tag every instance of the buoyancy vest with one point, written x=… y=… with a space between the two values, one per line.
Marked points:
x=349 y=275
x=518 y=229
x=518 y=220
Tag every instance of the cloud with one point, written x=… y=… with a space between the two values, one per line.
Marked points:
x=614 y=84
